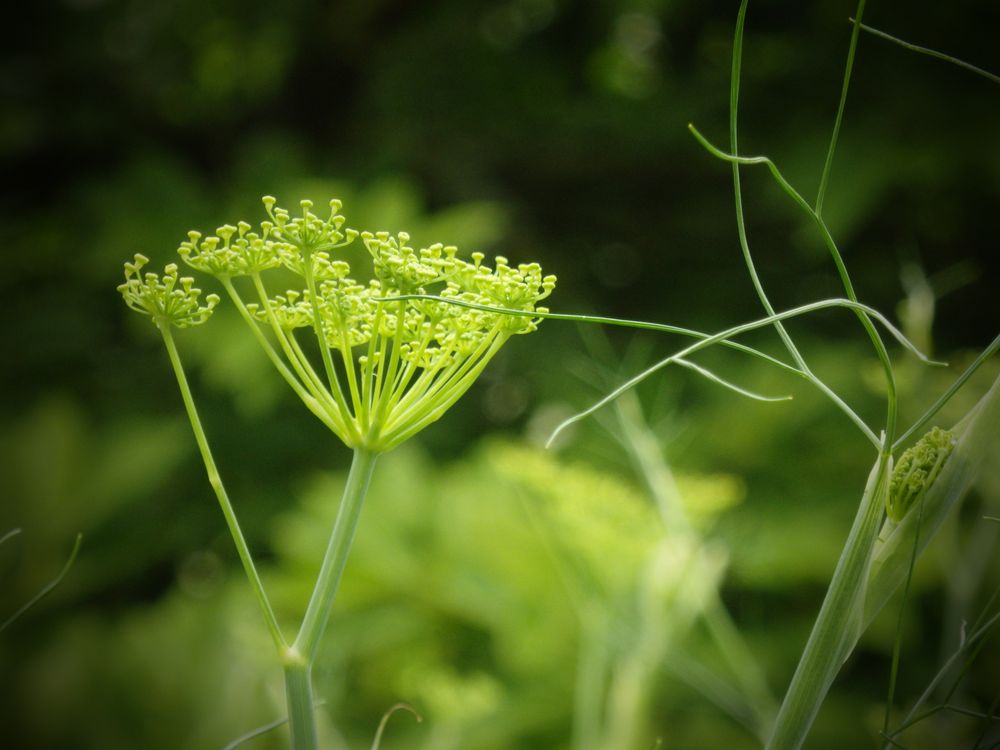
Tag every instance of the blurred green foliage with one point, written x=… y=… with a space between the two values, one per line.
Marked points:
x=546 y=130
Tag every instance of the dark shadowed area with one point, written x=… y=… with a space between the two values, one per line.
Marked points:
x=517 y=598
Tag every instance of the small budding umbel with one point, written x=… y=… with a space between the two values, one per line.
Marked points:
x=917 y=469
x=168 y=300
x=390 y=366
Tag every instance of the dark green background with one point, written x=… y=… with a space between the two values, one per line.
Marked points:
x=542 y=130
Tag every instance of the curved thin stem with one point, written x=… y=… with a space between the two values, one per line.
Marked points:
x=927 y=51
x=806 y=375
x=877 y=343
x=841 y=106
x=377 y=741
x=602 y=320
x=945 y=397
x=709 y=375
x=254 y=733
x=735 y=331
x=741 y=230
x=913 y=716
x=734 y=94
x=259 y=731
x=47 y=589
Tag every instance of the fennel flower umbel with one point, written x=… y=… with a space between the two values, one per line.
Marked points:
x=393 y=361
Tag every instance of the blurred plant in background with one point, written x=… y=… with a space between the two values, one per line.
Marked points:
x=556 y=129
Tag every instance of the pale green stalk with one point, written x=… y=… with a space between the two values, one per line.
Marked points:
x=324 y=349
x=401 y=391
x=215 y=480
x=657 y=629
x=828 y=644
x=298 y=659
x=306 y=395
x=628 y=695
x=371 y=368
x=298 y=360
x=425 y=394
x=446 y=399
x=347 y=358
x=339 y=404
x=388 y=389
x=451 y=382
x=844 y=604
x=839 y=621
x=299 y=697
x=648 y=459
x=335 y=558
x=406 y=395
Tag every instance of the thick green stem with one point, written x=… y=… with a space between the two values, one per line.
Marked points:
x=298 y=693
x=318 y=611
x=299 y=658
x=839 y=621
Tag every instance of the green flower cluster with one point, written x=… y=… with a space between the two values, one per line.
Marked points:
x=168 y=300
x=397 y=350
x=916 y=471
